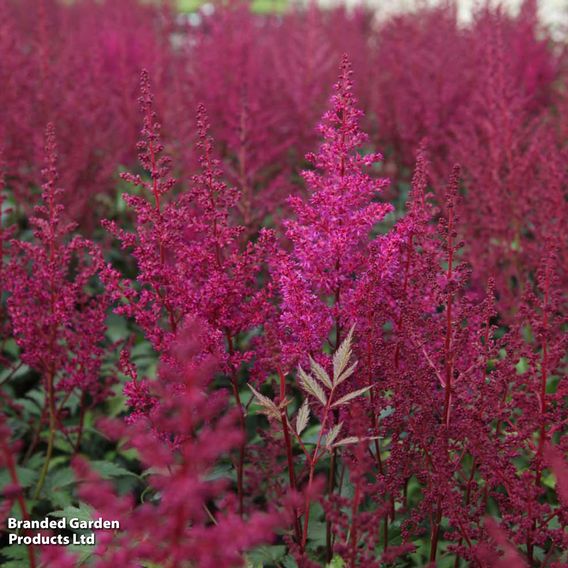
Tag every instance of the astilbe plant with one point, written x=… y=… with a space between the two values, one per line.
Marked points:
x=533 y=414
x=156 y=235
x=330 y=233
x=328 y=393
x=234 y=51
x=426 y=80
x=505 y=219
x=189 y=516
x=329 y=248
x=189 y=258
x=413 y=386
x=48 y=79
x=434 y=397
x=58 y=319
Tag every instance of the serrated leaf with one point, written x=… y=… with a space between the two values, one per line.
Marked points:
x=346 y=374
x=346 y=441
x=219 y=472
x=267 y=554
x=268 y=407
x=15 y=552
x=29 y=406
x=37 y=396
x=350 y=396
x=342 y=356
x=302 y=417
x=320 y=373
x=310 y=385
x=332 y=434
x=289 y=562
x=59 y=478
x=109 y=470
x=83 y=512
x=26 y=477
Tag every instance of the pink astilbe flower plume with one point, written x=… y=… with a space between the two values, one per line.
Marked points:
x=187 y=251
x=153 y=241
x=58 y=320
x=189 y=259
x=331 y=232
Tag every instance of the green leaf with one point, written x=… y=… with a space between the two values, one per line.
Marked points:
x=37 y=396
x=30 y=406
x=522 y=366
x=83 y=512
x=26 y=477
x=289 y=562
x=269 y=554
x=56 y=485
x=117 y=328
x=336 y=562
x=108 y=470
x=17 y=556
x=220 y=472
x=15 y=552
x=84 y=551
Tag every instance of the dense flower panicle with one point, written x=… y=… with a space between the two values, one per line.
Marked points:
x=57 y=319
x=160 y=294
x=224 y=272
x=188 y=252
x=534 y=413
x=330 y=233
x=500 y=144
x=252 y=127
x=48 y=79
x=427 y=79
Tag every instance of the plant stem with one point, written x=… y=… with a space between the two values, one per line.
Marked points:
x=355 y=506
x=313 y=462
x=51 y=438
x=11 y=466
x=448 y=366
x=543 y=408
x=289 y=454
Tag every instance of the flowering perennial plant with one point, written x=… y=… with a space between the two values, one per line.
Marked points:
x=279 y=347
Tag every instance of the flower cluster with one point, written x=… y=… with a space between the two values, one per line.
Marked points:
x=280 y=347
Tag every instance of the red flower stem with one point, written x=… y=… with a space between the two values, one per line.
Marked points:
x=543 y=408
x=448 y=365
x=289 y=454
x=81 y=423
x=355 y=506
x=51 y=438
x=242 y=447
x=399 y=323
x=313 y=460
x=157 y=204
x=50 y=399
